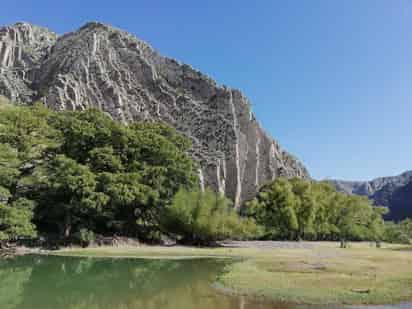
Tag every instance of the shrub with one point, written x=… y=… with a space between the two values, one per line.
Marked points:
x=202 y=218
x=85 y=237
x=397 y=233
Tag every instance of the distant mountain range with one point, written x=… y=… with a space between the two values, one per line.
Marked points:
x=393 y=192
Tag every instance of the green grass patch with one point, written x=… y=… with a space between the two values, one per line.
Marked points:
x=324 y=274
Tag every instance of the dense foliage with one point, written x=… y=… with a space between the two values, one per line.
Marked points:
x=75 y=175
x=16 y=213
x=299 y=209
x=203 y=217
x=80 y=173
x=398 y=232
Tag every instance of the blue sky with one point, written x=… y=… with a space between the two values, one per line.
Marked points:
x=331 y=80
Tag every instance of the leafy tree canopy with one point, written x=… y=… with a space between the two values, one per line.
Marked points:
x=301 y=209
x=86 y=172
x=204 y=217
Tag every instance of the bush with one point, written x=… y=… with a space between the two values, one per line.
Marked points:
x=202 y=218
x=397 y=233
x=85 y=237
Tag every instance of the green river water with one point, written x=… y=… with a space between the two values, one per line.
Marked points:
x=51 y=282
x=47 y=282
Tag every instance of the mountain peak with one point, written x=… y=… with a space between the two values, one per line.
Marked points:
x=27 y=26
x=90 y=25
x=104 y=67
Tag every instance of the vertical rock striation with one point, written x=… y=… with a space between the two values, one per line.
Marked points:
x=101 y=66
x=22 y=49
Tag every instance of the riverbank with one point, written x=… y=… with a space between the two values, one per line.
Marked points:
x=306 y=272
x=20 y=250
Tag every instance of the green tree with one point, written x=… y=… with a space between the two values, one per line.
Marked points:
x=305 y=207
x=301 y=209
x=69 y=195
x=86 y=171
x=406 y=227
x=274 y=208
x=83 y=131
x=327 y=201
x=15 y=220
x=133 y=207
x=161 y=155
x=376 y=225
x=396 y=233
x=204 y=217
x=353 y=216
x=104 y=159
x=26 y=129
x=132 y=173
x=9 y=171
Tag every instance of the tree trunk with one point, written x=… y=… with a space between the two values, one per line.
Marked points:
x=378 y=244
x=67 y=230
x=67 y=227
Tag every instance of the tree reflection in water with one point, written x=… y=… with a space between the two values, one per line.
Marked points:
x=45 y=282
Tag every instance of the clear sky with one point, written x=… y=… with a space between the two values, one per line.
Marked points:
x=331 y=80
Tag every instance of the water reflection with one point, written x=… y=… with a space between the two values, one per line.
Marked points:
x=42 y=282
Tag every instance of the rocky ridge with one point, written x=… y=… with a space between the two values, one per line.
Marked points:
x=103 y=67
x=393 y=192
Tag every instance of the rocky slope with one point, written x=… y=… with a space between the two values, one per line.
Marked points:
x=101 y=66
x=394 y=192
x=22 y=49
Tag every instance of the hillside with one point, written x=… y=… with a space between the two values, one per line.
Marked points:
x=104 y=67
x=393 y=192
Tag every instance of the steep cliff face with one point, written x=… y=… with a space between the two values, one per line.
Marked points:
x=399 y=201
x=393 y=192
x=22 y=48
x=100 y=66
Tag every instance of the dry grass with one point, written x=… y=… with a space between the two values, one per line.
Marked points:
x=323 y=274
x=4 y=101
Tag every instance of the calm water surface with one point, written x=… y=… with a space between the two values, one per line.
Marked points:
x=46 y=282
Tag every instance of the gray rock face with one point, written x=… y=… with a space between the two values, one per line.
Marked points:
x=369 y=188
x=22 y=49
x=100 y=66
x=393 y=192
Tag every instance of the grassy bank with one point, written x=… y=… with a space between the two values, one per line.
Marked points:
x=317 y=274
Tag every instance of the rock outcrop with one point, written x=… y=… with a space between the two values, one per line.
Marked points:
x=22 y=49
x=101 y=66
x=393 y=192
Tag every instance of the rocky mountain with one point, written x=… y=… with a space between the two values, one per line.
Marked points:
x=103 y=67
x=394 y=192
